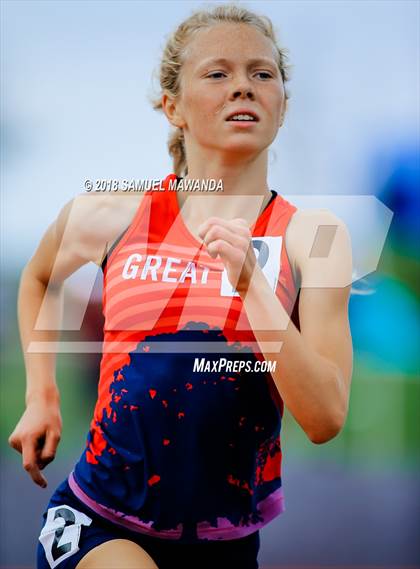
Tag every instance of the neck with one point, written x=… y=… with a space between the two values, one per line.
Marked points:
x=245 y=189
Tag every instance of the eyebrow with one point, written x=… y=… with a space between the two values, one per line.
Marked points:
x=224 y=61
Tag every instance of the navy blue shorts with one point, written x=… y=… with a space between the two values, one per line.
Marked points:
x=85 y=529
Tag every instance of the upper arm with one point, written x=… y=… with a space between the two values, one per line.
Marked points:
x=320 y=245
x=75 y=237
x=53 y=259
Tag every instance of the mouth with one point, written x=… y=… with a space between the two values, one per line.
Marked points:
x=243 y=116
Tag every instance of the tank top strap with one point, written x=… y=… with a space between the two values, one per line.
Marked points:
x=161 y=214
x=155 y=209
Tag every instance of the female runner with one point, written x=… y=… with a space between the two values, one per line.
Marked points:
x=182 y=463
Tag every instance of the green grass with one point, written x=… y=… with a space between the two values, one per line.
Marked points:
x=382 y=424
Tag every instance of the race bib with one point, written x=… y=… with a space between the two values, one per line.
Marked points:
x=61 y=533
x=268 y=253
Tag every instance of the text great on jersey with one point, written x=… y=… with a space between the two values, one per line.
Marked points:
x=184 y=270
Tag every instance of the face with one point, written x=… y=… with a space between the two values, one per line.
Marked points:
x=229 y=68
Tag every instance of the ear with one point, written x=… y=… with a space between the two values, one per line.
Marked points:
x=171 y=108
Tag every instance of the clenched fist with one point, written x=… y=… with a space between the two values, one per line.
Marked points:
x=231 y=240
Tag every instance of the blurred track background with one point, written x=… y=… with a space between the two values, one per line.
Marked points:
x=76 y=77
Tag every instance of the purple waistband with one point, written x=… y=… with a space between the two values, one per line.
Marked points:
x=268 y=509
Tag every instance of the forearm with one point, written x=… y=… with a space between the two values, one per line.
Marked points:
x=40 y=367
x=310 y=385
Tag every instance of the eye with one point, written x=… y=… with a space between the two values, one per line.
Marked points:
x=264 y=74
x=217 y=74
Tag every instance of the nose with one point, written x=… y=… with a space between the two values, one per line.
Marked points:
x=243 y=90
x=243 y=94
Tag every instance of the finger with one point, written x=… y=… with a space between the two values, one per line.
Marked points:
x=226 y=251
x=15 y=443
x=50 y=447
x=29 y=460
x=226 y=234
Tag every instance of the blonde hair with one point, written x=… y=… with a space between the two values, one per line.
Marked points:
x=172 y=60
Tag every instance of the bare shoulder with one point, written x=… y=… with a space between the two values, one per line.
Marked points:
x=91 y=222
x=319 y=246
x=305 y=223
